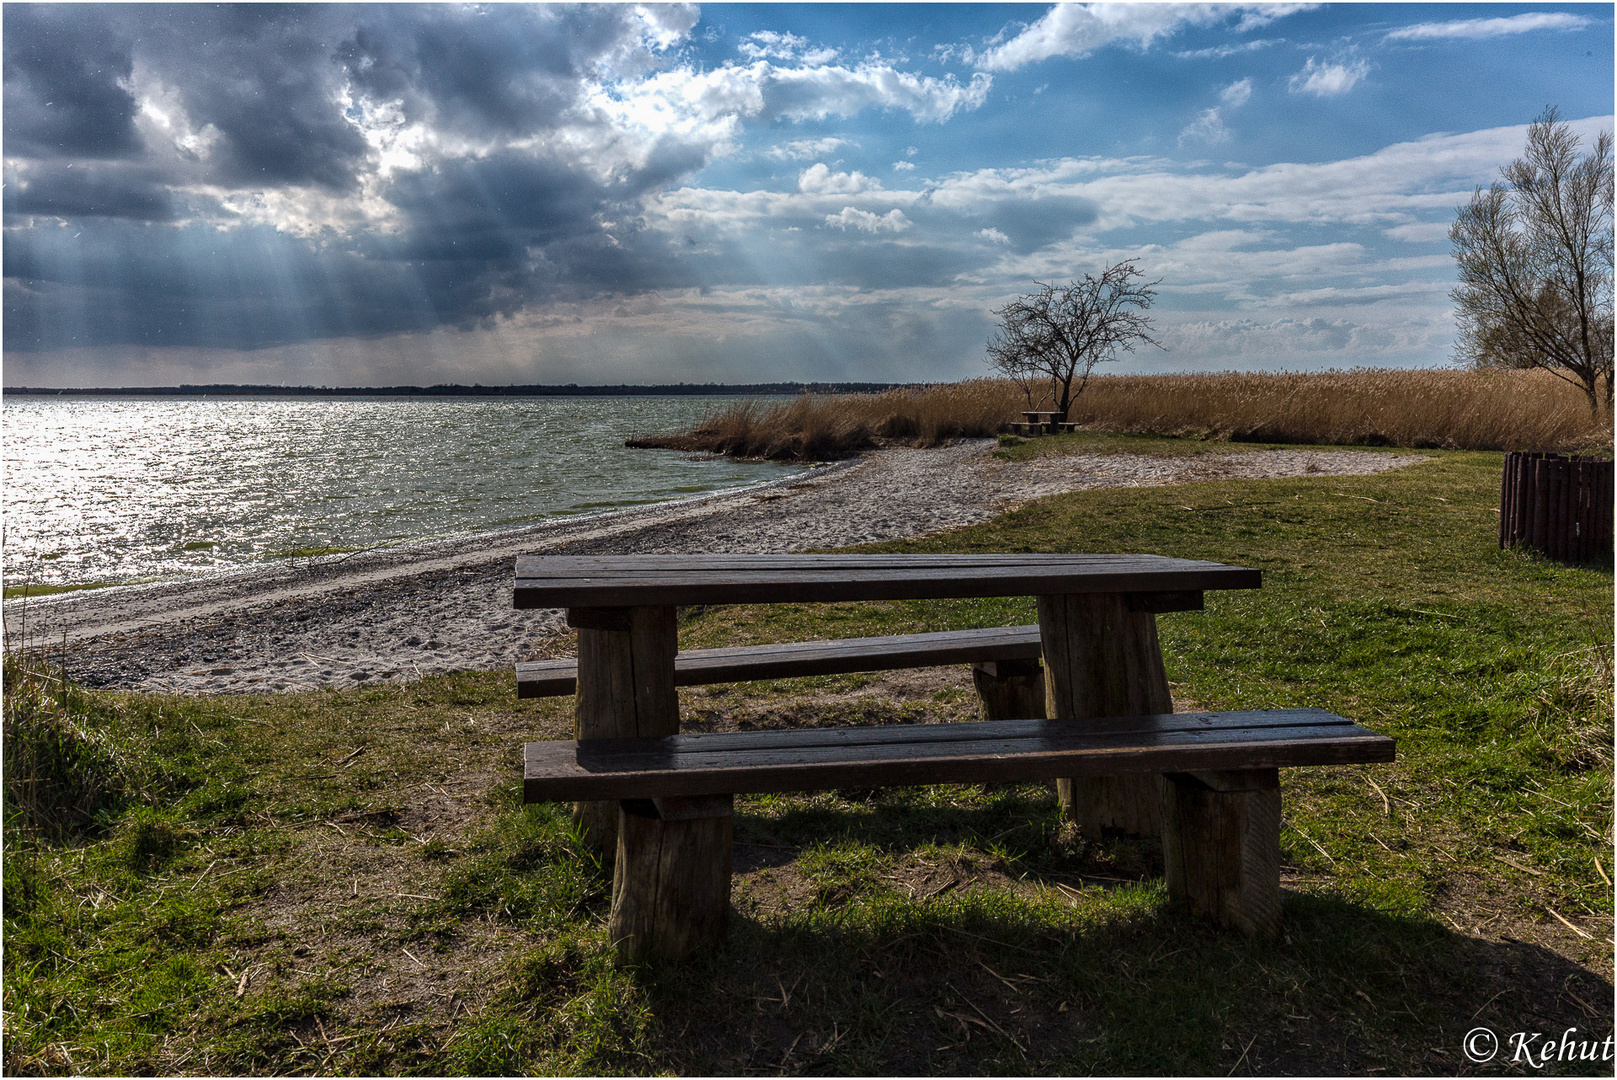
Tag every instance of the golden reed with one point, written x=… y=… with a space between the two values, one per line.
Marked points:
x=1431 y=408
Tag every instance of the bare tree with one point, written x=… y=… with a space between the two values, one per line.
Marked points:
x=1060 y=334
x=1534 y=255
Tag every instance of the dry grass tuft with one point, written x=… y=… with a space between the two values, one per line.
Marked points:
x=1437 y=409
x=64 y=770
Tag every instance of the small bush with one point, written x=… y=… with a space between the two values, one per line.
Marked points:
x=150 y=843
x=65 y=772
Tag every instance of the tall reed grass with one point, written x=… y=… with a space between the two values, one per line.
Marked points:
x=1446 y=409
x=821 y=428
x=1434 y=408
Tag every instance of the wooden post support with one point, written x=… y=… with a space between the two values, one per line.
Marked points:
x=625 y=690
x=1221 y=846
x=671 y=880
x=1010 y=689
x=1102 y=659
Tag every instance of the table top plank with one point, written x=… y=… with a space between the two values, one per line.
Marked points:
x=594 y=581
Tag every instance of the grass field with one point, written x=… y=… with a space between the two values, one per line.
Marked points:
x=344 y=882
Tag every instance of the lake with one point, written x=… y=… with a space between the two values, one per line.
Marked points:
x=134 y=489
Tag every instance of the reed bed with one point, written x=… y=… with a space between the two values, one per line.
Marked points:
x=1433 y=408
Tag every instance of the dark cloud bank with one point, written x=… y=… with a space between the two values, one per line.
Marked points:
x=145 y=145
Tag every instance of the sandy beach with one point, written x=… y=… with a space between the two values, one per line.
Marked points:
x=399 y=613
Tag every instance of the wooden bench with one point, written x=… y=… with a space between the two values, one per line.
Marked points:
x=1220 y=795
x=1004 y=660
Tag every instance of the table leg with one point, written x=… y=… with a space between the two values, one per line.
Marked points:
x=625 y=690
x=1102 y=659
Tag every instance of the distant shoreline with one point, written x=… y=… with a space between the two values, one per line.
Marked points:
x=458 y=390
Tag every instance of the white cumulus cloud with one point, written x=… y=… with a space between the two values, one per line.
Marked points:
x=804 y=149
x=1327 y=80
x=850 y=217
x=1207 y=128
x=818 y=179
x=1237 y=94
x=768 y=43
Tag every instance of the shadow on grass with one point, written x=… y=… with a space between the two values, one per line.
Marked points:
x=987 y=982
x=868 y=968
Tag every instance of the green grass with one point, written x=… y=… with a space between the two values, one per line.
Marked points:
x=358 y=865
x=1017 y=448
x=12 y=592
x=308 y=552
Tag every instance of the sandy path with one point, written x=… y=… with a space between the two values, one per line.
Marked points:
x=404 y=612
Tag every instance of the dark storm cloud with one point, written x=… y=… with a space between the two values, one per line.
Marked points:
x=263 y=91
x=63 y=94
x=120 y=282
x=501 y=70
x=144 y=228
x=1030 y=224
x=264 y=77
x=89 y=189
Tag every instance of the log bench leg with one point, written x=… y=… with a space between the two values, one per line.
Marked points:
x=1010 y=689
x=671 y=881
x=1102 y=659
x=1221 y=846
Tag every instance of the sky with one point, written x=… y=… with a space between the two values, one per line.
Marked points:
x=500 y=193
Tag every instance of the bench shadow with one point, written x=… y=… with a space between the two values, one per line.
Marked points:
x=975 y=984
x=1069 y=959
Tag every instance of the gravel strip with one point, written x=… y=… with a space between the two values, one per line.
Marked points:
x=401 y=613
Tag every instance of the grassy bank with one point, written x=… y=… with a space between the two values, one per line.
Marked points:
x=343 y=882
x=1425 y=409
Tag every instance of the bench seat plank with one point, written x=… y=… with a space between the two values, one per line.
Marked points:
x=821 y=758
x=701 y=667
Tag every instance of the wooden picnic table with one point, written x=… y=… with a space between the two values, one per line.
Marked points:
x=1097 y=629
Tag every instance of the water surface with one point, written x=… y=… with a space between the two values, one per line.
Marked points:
x=128 y=489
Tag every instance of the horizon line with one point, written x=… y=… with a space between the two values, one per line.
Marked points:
x=467 y=389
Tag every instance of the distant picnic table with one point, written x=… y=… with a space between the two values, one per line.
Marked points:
x=1044 y=421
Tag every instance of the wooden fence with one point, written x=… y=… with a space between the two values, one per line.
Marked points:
x=1558 y=506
